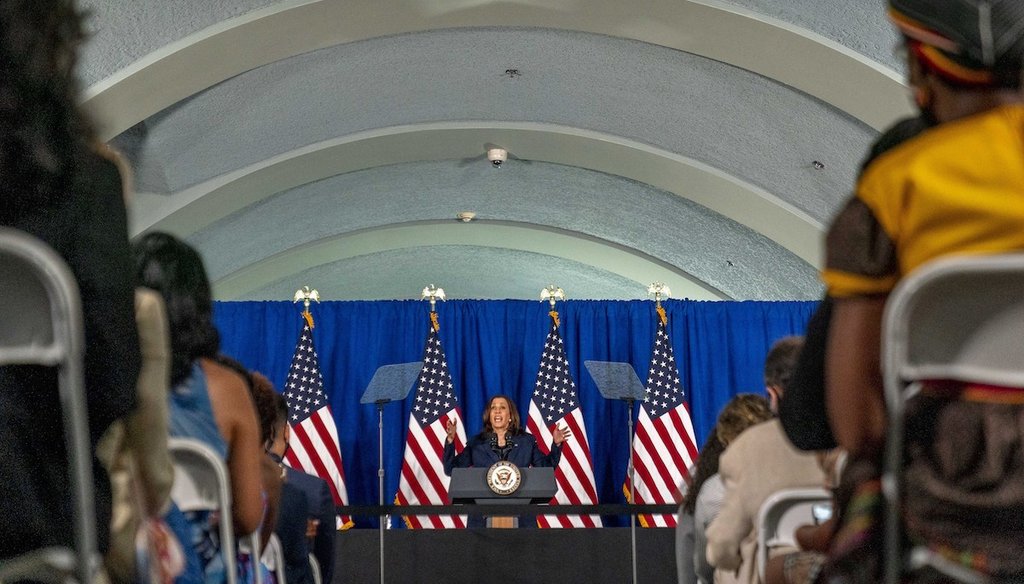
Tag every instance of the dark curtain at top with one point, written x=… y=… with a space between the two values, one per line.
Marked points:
x=494 y=347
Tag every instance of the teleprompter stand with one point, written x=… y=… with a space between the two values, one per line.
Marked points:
x=618 y=381
x=390 y=383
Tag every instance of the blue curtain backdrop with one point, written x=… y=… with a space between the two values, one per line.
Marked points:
x=494 y=347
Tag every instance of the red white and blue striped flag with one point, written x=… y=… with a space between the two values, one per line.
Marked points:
x=555 y=403
x=313 y=446
x=423 y=481
x=664 y=447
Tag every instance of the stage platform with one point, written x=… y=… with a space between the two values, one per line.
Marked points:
x=508 y=556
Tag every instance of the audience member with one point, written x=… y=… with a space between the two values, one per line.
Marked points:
x=134 y=450
x=64 y=190
x=802 y=412
x=955 y=189
x=320 y=518
x=814 y=540
x=270 y=473
x=925 y=199
x=208 y=401
x=742 y=412
x=685 y=572
x=756 y=464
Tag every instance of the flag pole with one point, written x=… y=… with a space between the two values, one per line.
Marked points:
x=552 y=294
x=658 y=290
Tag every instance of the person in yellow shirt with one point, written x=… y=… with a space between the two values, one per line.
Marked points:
x=957 y=188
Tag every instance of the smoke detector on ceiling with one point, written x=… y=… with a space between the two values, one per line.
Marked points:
x=497 y=156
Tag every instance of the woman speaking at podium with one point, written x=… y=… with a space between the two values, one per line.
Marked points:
x=502 y=438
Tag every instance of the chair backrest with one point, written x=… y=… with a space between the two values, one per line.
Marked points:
x=273 y=559
x=780 y=516
x=314 y=565
x=250 y=546
x=957 y=318
x=201 y=484
x=41 y=323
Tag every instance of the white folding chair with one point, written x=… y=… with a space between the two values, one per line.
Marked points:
x=201 y=484
x=41 y=324
x=250 y=545
x=780 y=516
x=959 y=319
x=314 y=565
x=273 y=558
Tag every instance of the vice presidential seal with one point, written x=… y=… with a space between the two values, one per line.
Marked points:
x=504 y=477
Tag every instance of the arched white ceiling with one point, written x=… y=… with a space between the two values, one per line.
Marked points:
x=628 y=264
x=778 y=50
x=139 y=84
x=198 y=207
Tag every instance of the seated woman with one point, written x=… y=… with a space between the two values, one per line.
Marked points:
x=502 y=438
x=208 y=401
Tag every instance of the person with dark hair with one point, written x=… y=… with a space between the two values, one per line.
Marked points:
x=262 y=393
x=956 y=189
x=307 y=510
x=63 y=188
x=209 y=401
x=779 y=365
x=755 y=464
x=502 y=438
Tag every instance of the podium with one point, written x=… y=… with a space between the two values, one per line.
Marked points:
x=469 y=485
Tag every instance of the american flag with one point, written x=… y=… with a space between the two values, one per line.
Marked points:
x=664 y=447
x=313 y=446
x=423 y=481
x=555 y=403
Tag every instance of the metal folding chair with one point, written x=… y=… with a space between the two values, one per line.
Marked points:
x=201 y=483
x=41 y=324
x=273 y=559
x=780 y=516
x=958 y=319
x=314 y=564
